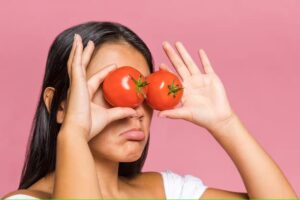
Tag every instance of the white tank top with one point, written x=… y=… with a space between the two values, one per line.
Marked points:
x=175 y=186
x=182 y=187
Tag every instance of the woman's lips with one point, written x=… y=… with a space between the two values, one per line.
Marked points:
x=133 y=135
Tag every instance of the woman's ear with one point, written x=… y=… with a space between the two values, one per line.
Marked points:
x=48 y=95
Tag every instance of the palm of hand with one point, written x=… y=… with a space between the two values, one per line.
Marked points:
x=81 y=112
x=205 y=100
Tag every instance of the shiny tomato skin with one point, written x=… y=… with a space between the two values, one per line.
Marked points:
x=157 y=91
x=120 y=90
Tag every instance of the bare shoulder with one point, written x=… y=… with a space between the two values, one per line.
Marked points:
x=149 y=178
x=152 y=182
x=33 y=193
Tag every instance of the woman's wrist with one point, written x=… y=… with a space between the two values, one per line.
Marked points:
x=224 y=127
x=72 y=132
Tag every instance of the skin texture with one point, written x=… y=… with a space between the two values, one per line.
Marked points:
x=204 y=103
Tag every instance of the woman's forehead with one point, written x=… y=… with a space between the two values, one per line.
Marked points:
x=121 y=54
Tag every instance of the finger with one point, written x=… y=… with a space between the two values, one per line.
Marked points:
x=189 y=62
x=71 y=55
x=96 y=79
x=77 y=71
x=165 y=67
x=176 y=61
x=177 y=113
x=205 y=62
x=116 y=113
x=87 y=54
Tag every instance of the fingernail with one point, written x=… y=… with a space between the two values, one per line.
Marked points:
x=90 y=42
x=178 y=43
x=113 y=65
x=162 y=116
x=75 y=36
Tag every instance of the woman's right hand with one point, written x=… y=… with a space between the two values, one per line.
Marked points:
x=81 y=113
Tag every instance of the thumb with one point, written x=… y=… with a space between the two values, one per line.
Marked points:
x=177 y=113
x=120 y=112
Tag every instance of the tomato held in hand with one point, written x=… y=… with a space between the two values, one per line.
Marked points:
x=125 y=87
x=164 y=90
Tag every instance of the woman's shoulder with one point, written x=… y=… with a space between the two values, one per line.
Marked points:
x=172 y=185
x=182 y=185
x=167 y=176
x=26 y=194
x=145 y=182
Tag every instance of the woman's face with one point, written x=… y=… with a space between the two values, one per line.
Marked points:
x=108 y=144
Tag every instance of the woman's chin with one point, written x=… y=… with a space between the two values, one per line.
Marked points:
x=131 y=156
x=132 y=159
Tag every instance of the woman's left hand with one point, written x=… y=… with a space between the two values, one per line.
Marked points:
x=204 y=101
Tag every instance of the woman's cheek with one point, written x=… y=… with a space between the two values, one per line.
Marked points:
x=148 y=111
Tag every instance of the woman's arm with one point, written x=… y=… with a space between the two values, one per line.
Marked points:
x=261 y=175
x=205 y=103
x=75 y=173
x=75 y=167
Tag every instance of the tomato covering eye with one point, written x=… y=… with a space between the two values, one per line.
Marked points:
x=164 y=90
x=125 y=87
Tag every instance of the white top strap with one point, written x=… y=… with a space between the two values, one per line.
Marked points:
x=182 y=187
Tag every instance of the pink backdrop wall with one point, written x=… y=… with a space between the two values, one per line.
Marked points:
x=253 y=45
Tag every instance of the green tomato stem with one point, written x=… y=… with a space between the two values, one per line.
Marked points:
x=139 y=85
x=173 y=89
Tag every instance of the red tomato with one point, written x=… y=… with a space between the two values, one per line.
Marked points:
x=124 y=87
x=164 y=90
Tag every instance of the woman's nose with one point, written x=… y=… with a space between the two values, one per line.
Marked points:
x=140 y=112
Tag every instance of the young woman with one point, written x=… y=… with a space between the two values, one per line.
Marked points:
x=76 y=148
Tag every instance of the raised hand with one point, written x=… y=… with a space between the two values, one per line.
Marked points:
x=204 y=100
x=81 y=112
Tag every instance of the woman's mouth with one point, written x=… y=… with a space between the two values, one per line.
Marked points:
x=133 y=134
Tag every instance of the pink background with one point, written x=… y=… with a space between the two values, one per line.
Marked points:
x=253 y=46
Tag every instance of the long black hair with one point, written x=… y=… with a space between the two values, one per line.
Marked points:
x=41 y=147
